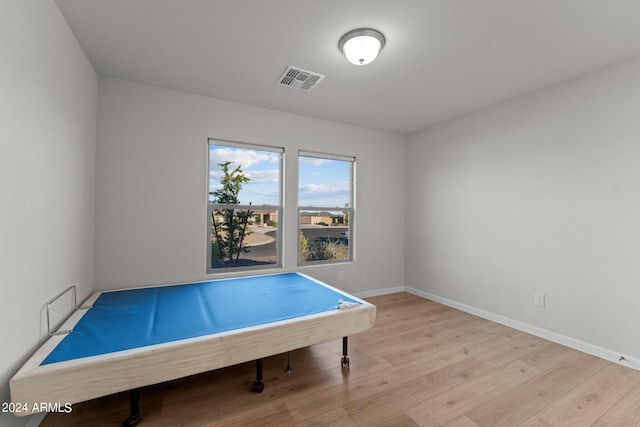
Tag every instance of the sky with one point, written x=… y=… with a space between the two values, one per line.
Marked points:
x=322 y=183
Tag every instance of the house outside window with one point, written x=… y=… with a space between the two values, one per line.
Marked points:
x=244 y=206
x=325 y=208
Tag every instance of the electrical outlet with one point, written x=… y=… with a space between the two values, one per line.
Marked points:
x=340 y=275
x=539 y=299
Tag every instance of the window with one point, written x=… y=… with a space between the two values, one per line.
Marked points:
x=245 y=206
x=325 y=208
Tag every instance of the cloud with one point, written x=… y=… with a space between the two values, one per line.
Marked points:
x=312 y=161
x=323 y=195
x=266 y=176
x=315 y=189
x=245 y=158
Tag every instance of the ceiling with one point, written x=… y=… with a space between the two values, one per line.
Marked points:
x=443 y=58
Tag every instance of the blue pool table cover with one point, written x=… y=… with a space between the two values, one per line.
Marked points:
x=133 y=318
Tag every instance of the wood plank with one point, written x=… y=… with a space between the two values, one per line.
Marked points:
x=402 y=395
x=337 y=417
x=520 y=403
x=625 y=412
x=461 y=422
x=515 y=349
x=590 y=400
x=549 y=356
x=534 y=422
x=456 y=402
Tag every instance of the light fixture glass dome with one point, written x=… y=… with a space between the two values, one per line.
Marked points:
x=361 y=46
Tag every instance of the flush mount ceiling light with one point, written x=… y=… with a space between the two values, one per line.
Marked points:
x=361 y=46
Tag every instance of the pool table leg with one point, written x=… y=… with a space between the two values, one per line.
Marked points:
x=258 y=385
x=134 y=412
x=345 y=356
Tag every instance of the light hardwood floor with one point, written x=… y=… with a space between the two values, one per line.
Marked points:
x=421 y=364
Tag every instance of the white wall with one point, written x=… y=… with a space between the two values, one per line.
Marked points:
x=151 y=185
x=541 y=194
x=47 y=152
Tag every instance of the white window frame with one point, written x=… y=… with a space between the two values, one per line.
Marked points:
x=212 y=206
x=350 y=210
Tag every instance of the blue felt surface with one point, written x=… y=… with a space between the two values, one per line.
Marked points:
x=123 y=320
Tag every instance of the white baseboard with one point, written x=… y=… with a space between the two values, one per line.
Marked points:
x=585 y=347
x=378 y=292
